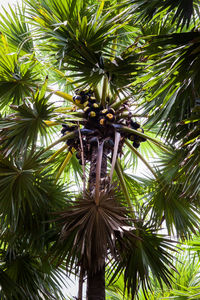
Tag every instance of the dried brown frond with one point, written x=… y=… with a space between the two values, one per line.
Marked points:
x=94 y=228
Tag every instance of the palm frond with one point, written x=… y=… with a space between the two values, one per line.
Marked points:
x=183 y=11
x=14 y=26
x=138 y=257
x=169 y=204
x=179 y=92
x=18 y=76
x=82 y=42
x=21 y=129
x=24 y=191
x=33 y=278
x=89 y=231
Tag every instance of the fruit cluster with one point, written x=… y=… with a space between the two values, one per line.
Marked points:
x=82 y=96
x=136 y=139
x=99 y=124
x=74 y=143
x=92 y=110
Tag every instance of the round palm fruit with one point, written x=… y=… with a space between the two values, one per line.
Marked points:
x=68 y=128
x=77 y=99
x=87 y=109
x=63 y=131
x=82 y=93
x=93 y=140
x=110 y=143
x=86 y=97
x=87 y=103
x=102 y=121
x=77 y=91
x=110 y=117
x=104 y=111
x=92 y=114
x=131 y=137
x=134 y=125
x=136 y=144
x=141 y=138
x=95 y=106
x=140 y=129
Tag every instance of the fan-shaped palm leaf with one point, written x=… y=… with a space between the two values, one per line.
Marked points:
x=89 y=231
x=14 y=26
x=24 y=191
x=183 y=10
x=18 y=76
x=32 y=277
x=168 y=203
x=138 y=257
x=21 y=129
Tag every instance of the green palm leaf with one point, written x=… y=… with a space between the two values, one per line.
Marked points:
x=33 y=278
x=138 y=257
x=168 y=203
x=18 y=76
x=24 y=191
x=183 y=10
x=14 y=26
x=21 y=129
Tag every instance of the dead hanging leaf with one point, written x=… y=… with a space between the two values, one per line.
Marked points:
x=94 y=228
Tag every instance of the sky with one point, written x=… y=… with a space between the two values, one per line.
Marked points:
x=5 y=3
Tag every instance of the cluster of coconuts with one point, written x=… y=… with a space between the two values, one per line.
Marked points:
x=98 y=125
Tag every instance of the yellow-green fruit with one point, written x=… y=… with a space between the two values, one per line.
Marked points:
x=95 y=105
x=104 y=111
x=140 y=130
x=102 y=122
x=85 y=103
x=78 y=101
x=87 y=109
x=110 y=117
x=92 y=114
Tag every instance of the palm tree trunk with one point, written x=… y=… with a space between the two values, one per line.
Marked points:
x=96 y=280
x=96 y=285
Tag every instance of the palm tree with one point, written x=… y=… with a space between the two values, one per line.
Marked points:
x=68 y=193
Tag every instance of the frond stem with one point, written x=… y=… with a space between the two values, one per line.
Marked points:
x=156 y=142
x=96 y=93
x=65 y=162
x=62 y=139
x=82 y=156
x=116 y=146
x=80 y=287
x=124 y=187
x=98 y=172
x=104 y=91
x=142 y=158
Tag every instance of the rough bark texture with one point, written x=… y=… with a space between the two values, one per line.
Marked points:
x=96 y=281
x=92 y=175
x=96 y=285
